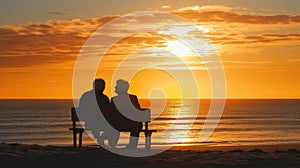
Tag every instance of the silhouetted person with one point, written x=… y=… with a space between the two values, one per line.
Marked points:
x=93 y=106
x=125 y=108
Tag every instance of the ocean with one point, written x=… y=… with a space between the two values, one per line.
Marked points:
x=243 y=122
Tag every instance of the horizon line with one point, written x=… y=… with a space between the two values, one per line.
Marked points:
x=53 y=98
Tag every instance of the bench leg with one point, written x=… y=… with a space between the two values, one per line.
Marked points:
x=80 y=139
x=148 y=140
x=74 y=139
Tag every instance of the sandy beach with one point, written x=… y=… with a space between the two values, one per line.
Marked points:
x=20 y=155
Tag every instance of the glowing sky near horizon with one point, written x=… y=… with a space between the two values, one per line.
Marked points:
x=258 y=42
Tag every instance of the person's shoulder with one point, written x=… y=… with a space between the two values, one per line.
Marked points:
x=105 y=96
x=86 y=99
x=132 y=95
x=101 y=94
x=86 y=93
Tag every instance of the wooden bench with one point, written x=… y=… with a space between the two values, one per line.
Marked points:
x=79 y=131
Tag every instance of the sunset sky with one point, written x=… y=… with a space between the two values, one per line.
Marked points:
x=258 y=43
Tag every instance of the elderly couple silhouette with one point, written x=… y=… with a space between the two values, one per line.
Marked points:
x=101 y=114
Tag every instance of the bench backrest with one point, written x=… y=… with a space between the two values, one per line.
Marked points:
x=74 y=116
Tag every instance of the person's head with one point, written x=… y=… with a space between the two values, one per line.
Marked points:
x=121 y=87
x=99 y=84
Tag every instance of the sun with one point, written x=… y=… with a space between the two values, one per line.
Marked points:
x=178 y=48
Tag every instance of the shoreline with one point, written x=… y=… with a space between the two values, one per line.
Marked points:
x=20 y=155
x=225 y=148
x=194 y=147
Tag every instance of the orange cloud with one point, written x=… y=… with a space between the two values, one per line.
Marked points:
x=208 y=8
x=256 y=39
x=60 y=41
x=198 y=15
x=38 y=44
